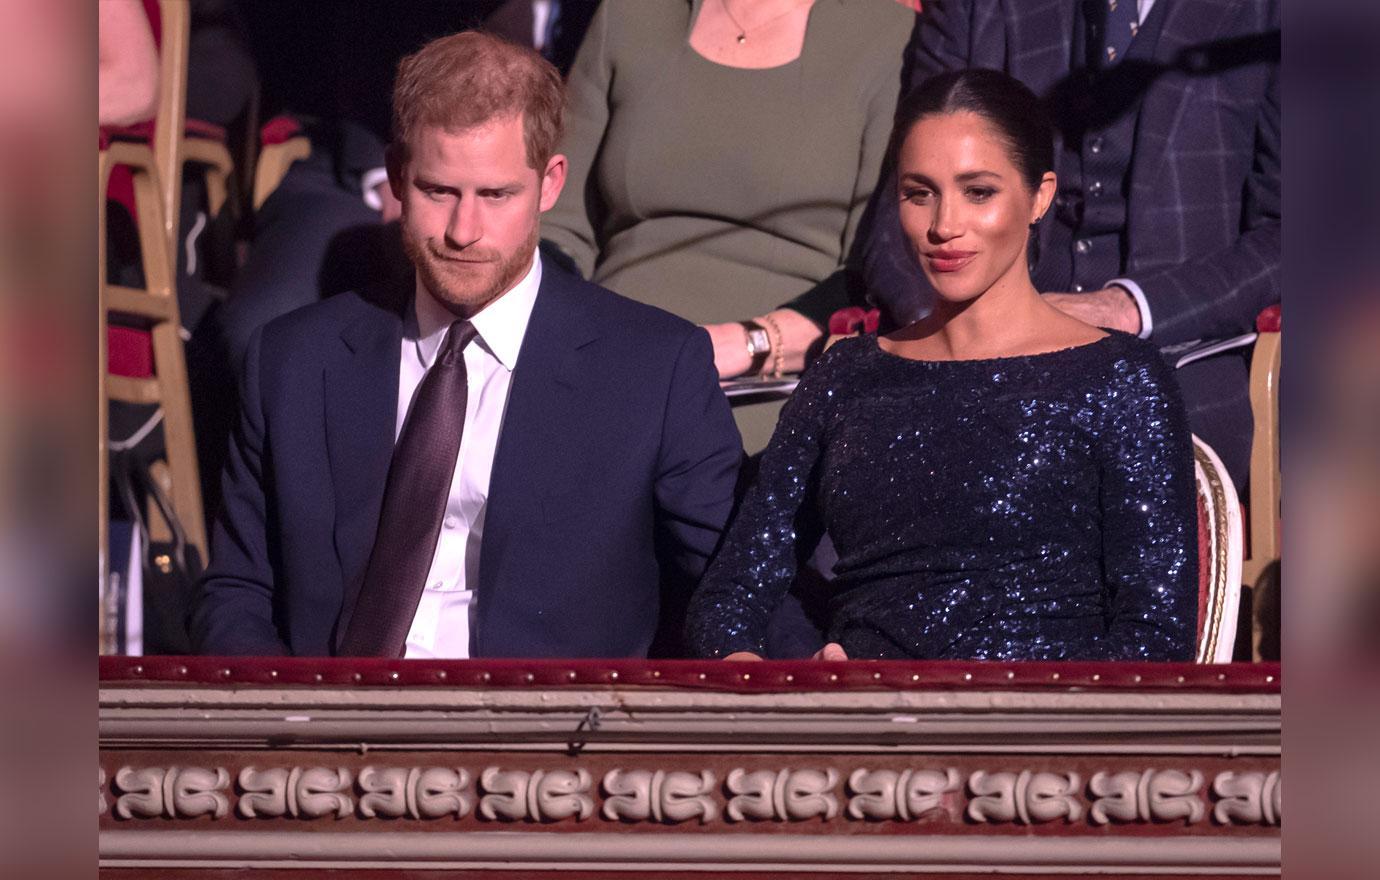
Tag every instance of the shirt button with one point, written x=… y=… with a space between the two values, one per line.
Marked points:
x=450 y=522
x=1082 y=245
x=1095 y=188
x=1095 y=145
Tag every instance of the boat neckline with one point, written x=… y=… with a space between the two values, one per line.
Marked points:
x=1068 y=349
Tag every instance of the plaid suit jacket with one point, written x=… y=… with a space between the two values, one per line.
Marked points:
x=1203 y=213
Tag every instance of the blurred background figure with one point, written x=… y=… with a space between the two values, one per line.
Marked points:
x=127 y=81
x=722 y=154
x=49 y=96
x=1339 y=540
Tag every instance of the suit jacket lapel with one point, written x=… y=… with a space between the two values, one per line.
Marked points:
x=361 y=402
x=541 y=425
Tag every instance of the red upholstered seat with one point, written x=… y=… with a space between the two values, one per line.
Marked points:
x=142 y=132
x=279 y=130
x=1268 y=321
x=852 y=319
x=129 y=351
x=155 y=15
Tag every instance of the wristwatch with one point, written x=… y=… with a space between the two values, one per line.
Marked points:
x=758 y=345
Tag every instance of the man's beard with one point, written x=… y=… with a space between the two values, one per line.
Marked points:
x=466 y=288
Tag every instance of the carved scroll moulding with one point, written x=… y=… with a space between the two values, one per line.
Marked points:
x=1253 y=798
x=659 y=796
x=881 y=795
x=784 y=795
x=308 y=793
x=536 y=795
x=1149 y=796
x=1026 y=797
x=672 y=796
x=414 y=792
x=171 y=792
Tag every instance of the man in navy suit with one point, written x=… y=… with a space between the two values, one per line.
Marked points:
x=493 y=459
x=1167 y=220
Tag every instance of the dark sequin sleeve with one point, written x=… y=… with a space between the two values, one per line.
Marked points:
x=1149 y=516
x=757 y=561
x=1036 y=507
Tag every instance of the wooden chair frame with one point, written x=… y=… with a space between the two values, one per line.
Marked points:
x=1223 y=511
x=273 y=164
x=1265 y=476
x=156 y=304
x=172 y=149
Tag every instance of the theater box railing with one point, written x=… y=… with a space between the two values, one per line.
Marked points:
x=352 y=768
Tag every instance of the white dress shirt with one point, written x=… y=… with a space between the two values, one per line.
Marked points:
x=441 y=627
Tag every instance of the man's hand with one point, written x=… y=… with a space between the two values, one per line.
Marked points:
x=1111 y=307
x=742 y=655
x=730 y=342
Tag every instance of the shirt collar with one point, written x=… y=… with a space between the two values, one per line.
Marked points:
x=501 y=324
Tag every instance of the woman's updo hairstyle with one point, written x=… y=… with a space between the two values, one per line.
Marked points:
x=1006 y=103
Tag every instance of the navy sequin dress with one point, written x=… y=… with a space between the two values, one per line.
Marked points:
x=1023 y=508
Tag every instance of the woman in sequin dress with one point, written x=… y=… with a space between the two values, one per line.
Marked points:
x=1001 y=481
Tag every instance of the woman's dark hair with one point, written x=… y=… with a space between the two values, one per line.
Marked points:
x=1006 y=103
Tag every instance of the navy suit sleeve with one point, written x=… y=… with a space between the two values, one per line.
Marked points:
x=701 y=452
x=1219 y=294
x=942 y=39
x=234 y=608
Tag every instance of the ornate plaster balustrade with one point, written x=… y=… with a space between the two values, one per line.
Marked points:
x=208 y=767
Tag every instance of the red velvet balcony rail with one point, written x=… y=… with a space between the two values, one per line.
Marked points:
x=764 y=677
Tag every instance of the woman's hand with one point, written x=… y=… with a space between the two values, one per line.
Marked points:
x=831 y=651
x=797 y=334
x=731 y=356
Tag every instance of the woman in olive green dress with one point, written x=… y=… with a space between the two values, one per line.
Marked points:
x=721 y=155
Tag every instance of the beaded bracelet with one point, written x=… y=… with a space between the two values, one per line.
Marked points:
x=777 y=356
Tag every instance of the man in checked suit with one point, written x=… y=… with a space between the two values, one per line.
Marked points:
x=489 y=459
x=1167 y=220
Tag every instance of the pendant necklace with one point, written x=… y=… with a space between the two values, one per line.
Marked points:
x=742 y=31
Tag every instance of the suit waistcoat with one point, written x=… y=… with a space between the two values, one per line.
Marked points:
x=1098 y=114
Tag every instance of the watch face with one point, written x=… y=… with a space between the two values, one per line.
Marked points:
x=757 y=341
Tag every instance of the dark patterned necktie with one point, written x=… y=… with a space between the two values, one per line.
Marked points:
x=1123 y=21
x=414 y=501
